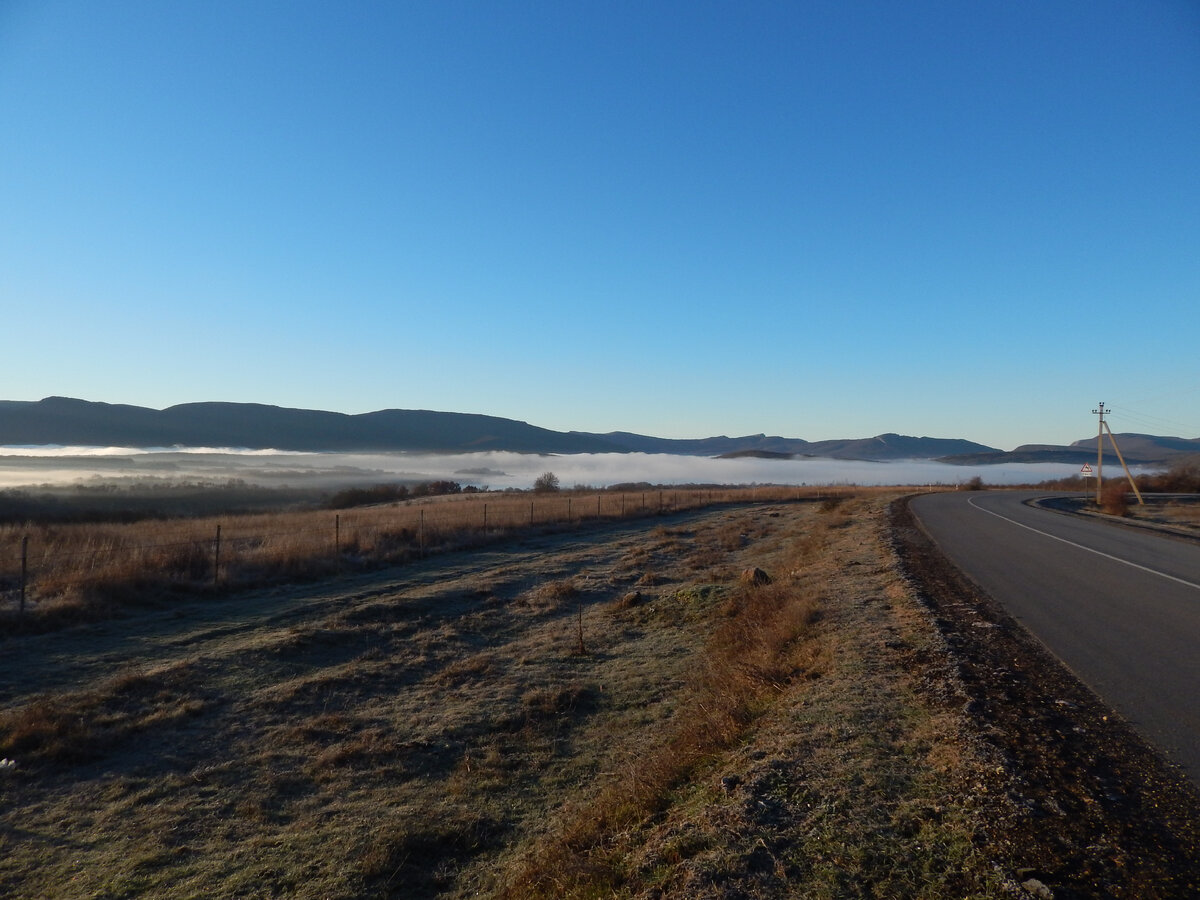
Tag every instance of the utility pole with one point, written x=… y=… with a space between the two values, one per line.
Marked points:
x=1099 y=451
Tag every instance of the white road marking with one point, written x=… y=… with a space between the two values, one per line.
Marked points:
x=971 y=502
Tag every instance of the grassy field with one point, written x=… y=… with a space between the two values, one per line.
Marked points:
x=618 y=710
x=78 y=571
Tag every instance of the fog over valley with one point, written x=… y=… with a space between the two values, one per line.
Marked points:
x=22 y=467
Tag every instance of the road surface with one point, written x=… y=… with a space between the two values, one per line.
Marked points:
x=1120 y=606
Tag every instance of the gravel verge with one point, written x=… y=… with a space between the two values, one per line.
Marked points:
x=1081 y=805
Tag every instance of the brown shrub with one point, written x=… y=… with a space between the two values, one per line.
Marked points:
x=553 y=594
x=629 y=600
x=1183 y=477
x=755 y=576
x=1113 y=499
x=48 y=732
x=77 y=727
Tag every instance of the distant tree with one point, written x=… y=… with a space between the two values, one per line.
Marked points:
x=436 y=488
x=546 y=483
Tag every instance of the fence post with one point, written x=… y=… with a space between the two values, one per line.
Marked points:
x=597 y=506
x=568 y=510
x=337 y=539
x=485 y=518
x=217 y=557
x=24 y=568
x=531 y=512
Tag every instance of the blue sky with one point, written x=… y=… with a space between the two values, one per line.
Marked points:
x=813 y=219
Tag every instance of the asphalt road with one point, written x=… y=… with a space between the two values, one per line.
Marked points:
x=1119 y=606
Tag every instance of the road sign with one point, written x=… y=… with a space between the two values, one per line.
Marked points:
x=1086 y=471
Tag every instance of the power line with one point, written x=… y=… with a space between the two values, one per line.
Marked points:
x=1176 y=394
x=1153 y=421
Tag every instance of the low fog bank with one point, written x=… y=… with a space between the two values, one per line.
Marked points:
x=24 y=467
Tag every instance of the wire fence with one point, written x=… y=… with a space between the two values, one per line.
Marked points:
x=47 y=566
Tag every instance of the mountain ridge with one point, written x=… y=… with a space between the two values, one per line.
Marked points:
x=1137 y=449
x=256 y=426
x=68 y=421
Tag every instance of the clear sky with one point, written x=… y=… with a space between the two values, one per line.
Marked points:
x=813 y=219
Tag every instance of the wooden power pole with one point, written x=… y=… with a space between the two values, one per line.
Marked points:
x=1099 y=451
x=1101 y=412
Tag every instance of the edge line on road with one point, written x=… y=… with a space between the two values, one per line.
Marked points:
x=971 y=503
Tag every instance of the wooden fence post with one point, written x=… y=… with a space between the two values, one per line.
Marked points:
x=24 y=568
x=217 y=557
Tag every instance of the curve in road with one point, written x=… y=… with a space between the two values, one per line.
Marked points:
x=1120 y=607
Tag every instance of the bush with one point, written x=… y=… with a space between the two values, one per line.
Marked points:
x=1183 y=477
x=1113 y=499
x=436 y=488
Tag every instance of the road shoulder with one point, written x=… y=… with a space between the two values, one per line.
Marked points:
x=1083 y=804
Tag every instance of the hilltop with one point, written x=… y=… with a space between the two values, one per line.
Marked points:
x=1137 y=449
x=254 y=426
x=71 y=422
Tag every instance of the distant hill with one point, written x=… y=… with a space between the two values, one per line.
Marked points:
x=710 y=446
x=1147 y=446
x=880 y=447
x=896 y=446
x=1029 y=453
x=1138 y=450
x=60 y=420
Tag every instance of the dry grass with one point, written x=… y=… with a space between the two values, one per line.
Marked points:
x=435 y=731
x=1177 y=512
x=83 y=725
x=763 y=637
x=85 y=572
x=744 y=663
